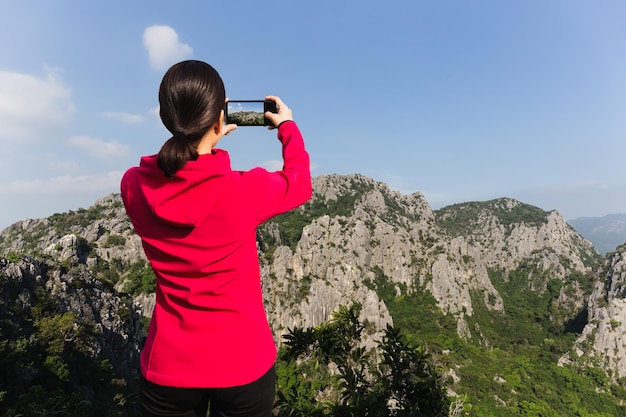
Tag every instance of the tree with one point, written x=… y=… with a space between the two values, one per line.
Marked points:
x=325 y=371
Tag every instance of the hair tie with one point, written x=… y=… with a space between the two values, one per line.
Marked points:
x=180 y=133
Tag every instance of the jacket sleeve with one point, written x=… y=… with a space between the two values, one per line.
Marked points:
x=284 y=190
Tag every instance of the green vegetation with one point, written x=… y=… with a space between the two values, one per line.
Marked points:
x=424 y=322
x=61 y=224
x=291 y=223
x=509 y=366
x=246 y=118
x=115 y=240
x=140 y=279
x=461 y=219
x=405 y=382
x=108 y=272
x=506 y=366
x=48 y=364
x=382 y=284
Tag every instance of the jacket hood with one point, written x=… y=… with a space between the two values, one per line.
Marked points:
x=185 y=199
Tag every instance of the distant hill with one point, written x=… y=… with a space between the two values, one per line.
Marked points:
x=606 y=233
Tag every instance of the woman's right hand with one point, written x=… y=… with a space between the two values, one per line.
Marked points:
x=284 y=113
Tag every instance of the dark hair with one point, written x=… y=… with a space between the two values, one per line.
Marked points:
x=191 y=96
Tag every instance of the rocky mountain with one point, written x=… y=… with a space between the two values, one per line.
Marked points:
x=494 y=275
x=375 y=233
x=603 y=340
x=58 y=322
x=606 y=233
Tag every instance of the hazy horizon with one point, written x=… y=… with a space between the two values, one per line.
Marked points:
x=464 y=101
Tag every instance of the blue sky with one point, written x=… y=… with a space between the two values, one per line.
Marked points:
x=459 y=100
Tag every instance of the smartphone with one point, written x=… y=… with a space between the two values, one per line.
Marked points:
x=249 y=112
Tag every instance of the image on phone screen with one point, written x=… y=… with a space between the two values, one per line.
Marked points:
x=245 y=113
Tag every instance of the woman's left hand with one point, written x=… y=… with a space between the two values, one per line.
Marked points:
x=226 y=129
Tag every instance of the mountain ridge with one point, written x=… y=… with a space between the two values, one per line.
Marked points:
x=484 y=275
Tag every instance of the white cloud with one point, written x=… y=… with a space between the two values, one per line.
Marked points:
x=65 y=185
x=64 y=166
x=273 y=165
x=30 y=107
x=163 y=46
x=40 y=198
x=100 y=148
x=127 y=118
x=586 y=185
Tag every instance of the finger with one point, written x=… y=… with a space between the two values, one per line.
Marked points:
x=229 y=128
x=277 y=100
x=272 y=117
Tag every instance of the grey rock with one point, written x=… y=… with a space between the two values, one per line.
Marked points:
x=603 y=340
x=357 y=233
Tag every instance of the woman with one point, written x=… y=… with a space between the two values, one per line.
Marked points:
x=209 y=343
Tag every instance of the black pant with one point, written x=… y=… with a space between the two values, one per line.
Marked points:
x=252 y=400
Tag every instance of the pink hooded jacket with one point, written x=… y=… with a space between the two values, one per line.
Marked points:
x=198 y=230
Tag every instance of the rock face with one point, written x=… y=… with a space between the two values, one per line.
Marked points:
x=603 y=340
x=104 y=325
x=354 y=236
x=449 y=253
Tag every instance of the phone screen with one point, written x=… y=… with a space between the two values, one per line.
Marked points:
x=248 y=112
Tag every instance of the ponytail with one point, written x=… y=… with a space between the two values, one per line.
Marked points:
x=191 y=96
x=176 y=152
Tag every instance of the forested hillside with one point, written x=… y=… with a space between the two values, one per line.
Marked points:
x=498 y=307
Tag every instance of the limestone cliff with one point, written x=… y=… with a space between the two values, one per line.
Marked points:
x=354 y=235
x=603 y=340
x=73 y=317
x=381 y=233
